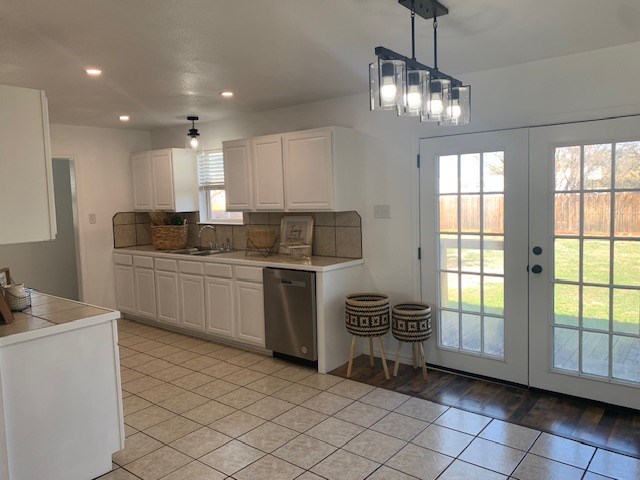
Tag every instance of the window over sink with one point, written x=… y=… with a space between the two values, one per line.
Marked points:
x=212 y=189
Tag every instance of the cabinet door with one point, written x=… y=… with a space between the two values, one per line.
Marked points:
x=268 y=175
x=145 y=292
x=162 y=174
x=250 y=312
x=308 y=170
x=167 y=295
x=142 y=185
x=125 y=289
x=237 y=175
x=192 y=302
x=219 y=302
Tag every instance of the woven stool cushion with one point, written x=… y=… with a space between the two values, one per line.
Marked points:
x=411 y=322
x=367 y=314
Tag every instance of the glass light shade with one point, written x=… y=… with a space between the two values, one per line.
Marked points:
x=193 y=144
x=459 y=112
x=387 y=84
x=417 y=93
x=439 y=101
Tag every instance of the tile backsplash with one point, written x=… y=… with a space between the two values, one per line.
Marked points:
x=335 y=234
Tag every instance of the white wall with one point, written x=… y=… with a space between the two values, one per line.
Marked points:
x=584 y=86
x=104 y=187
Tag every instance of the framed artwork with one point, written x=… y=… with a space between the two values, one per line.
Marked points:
x=5 y=276
x=296 y=230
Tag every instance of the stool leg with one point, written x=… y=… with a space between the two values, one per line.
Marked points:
x=395 y=367
x=351 y=352
x=371 y=360
x=424 y=362
x=415 y=356
x=384 y=361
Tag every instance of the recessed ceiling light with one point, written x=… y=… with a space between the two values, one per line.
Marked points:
x=93 y=72
x=124 y=118
x=227 y=94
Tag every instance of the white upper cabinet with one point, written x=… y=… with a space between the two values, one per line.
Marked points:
x=238 y=175
x=311 y=170
x=268 y=174
x=27 y=209
x=165 y=180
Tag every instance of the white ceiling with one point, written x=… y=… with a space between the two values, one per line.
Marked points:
x=165 y=59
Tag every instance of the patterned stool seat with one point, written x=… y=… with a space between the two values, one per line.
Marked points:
x=411 y=323
x=367 y=315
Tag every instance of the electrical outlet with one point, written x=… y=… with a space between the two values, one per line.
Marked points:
x=382 y=211
x=92 y=218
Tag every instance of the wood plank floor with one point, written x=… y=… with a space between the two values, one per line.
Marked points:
x=610 y=427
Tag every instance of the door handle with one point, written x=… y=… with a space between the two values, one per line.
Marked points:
x=536 y=269
x=537 y=250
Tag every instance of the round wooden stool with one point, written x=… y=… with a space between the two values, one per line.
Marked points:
x=411 y=323
x=367 y=315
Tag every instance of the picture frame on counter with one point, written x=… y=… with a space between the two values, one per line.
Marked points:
x=5 y=276
x=295 y=230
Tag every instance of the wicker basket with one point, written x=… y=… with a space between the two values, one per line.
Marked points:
x=411 y=322
x=17 y=303
x=169 y=237
x=367 y=314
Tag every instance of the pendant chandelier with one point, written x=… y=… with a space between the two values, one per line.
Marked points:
x=193 y=140
x=416 y=90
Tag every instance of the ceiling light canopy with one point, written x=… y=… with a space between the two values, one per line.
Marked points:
x=93 y=72
x=413 y=89
x=194 y=141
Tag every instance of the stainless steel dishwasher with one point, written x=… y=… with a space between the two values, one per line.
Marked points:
x=290 y=313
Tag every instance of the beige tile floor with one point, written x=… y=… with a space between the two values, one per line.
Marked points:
x=197 y=410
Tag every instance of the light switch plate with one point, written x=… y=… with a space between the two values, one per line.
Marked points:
x=382 y=211
x=92 y=218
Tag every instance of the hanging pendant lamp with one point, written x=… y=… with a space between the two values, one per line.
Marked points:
x=194 y=141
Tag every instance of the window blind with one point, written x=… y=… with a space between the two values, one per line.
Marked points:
x=211 y=170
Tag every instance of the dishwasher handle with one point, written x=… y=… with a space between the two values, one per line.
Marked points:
x=292 y=283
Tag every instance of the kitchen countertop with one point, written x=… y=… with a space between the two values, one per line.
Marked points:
x=46 y=312
x=316 y=264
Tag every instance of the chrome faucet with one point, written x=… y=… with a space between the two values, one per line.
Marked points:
x=212 y=227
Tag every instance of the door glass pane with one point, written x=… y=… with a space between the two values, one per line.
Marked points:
x=471 y=332
x=493 y=172
x=449 y=252
x=565 y=349
x=628 y=165
x=597 y=166
x=567 y=214
x=626 y=311
x=627 y=218
x=470 y=213
x=450 y=329
x=470 y=286
x=493 y=255
x=567 y=259
x=493 y=214
x=597 y=214
x=470 y=253
x=595 y=261
x=595 y=308
x=566 y=304
x=626 y=263
x=493 y=295
x=448 y=174
x=448 y=213
x=449 y=290
x=595 y=353
x=470 y=173
x=494 y=336
x=567 y=168
x=626 y=361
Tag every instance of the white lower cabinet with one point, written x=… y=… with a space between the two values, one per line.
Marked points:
x=250 y=312
x=125 y=289
x=167 y=297
x=145 y=292
x=192 y=302
x=219 y=302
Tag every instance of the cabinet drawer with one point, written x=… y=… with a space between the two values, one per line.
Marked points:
x=122 y=259
x=166 y=265
x=194 y=268
x=250 y=274
x=144 y=262
x=216 y=270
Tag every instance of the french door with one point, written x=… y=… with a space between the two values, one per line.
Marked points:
x=531 y=256
x=473 y=221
